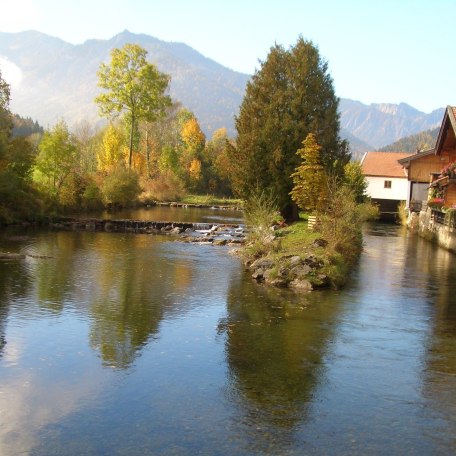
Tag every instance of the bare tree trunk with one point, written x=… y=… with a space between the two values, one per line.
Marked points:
x=147 y=153
x=131 y=141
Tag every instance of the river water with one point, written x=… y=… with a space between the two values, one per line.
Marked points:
x=123 y=344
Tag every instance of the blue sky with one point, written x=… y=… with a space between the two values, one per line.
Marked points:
x=377 y=51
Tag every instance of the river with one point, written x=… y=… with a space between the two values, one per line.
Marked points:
x=124 y=344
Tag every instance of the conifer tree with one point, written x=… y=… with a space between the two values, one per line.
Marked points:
x=290 y=96
x=310 y=182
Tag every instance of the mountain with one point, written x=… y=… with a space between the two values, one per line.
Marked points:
x=379 y=124
x=357 y=146
x=60 y=79
x=419 y=141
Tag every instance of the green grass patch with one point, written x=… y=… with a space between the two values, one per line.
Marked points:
x=296 y=238
x=211 y=200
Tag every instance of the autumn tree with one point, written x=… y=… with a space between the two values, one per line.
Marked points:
x=57 y=157
x=191 y=158
x=290 y=96
x=111 y=150
x=355 y=180
x=310 y=184
x=135 y=89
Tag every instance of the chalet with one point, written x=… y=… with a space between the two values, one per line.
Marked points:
x=419 y=168
x=387 y=183
x=443 y=184
x=438 y=220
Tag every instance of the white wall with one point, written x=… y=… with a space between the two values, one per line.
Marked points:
x=399 y=188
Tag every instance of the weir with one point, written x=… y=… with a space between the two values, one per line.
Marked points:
x=145 y=226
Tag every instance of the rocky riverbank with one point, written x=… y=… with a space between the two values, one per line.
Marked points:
x=295 y=258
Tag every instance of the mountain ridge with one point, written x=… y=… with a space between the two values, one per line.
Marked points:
x=60 y=81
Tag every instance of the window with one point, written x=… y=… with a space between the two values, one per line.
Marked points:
x=387 y=184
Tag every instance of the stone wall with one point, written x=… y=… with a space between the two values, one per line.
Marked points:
x=425 y=226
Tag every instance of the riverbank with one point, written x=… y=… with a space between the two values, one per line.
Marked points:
x=299 y=258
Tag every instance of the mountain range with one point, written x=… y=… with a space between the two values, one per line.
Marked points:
x=59 y=80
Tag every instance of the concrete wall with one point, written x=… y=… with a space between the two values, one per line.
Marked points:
x=399 y=188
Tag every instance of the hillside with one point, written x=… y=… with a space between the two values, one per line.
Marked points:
x=420 y=141
x=59 y=81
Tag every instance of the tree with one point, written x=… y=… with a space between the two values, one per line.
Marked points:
x=135 y=88
x=310 y=183
x=111 y=150
x=290 y=96
x=355 y=180
x=57 y=157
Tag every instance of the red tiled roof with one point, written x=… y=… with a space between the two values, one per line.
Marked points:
x=384 y=164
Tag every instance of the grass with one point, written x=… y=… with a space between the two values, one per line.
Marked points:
x=211 y=200
x=296 y=238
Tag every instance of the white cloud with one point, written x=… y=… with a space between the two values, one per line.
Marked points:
x=11 y=73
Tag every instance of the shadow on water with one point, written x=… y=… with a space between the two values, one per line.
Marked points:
x=276 y=342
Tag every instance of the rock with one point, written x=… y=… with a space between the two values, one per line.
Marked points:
x=11 y=256
x=279 y=282
x=219 y=242
x=109 y=227
x=176 y=230
x=320 y=242
x=300 y=271
x=258 y=275
x=301 y=284
x=189 y=230
x=90 y=226
x=313 y=261
x=295 y=261
x=262 y=263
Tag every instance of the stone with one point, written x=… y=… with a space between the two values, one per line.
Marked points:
x=176 y=230
x=320 y=242
x=263 y=263
x=295 y=261
x=313 y=261
x=258 y=275
x=219 y=242
x=301 y=284
x=109 y=227
x=300 y=271
x=279 y=282
x=11 y=256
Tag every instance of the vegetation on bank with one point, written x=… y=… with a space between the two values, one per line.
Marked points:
x=288 y=156
x=302 y=256
x=153 y=149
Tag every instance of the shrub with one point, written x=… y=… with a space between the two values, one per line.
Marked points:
x=340 y=223
x=166 y=187
x=121 y=186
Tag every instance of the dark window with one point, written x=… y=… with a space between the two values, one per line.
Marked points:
x=387 y=184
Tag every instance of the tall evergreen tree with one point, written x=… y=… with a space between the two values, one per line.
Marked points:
x=290 y=96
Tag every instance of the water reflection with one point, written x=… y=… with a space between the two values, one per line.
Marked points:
x=276 y=342
x=174 y=214
x=133 y=344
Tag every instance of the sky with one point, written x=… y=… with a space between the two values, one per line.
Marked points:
x=378 y=51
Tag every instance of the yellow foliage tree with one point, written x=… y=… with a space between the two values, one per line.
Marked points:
x=310 y=190
x=113 y=149
x=193 y=137
x=194 y=170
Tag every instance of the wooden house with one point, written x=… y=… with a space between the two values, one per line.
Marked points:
x=444 y=183
x=387 y=183
x=420 y=167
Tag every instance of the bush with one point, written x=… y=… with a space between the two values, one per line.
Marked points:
x=121 y=186
x=340 y=223
x=166 y=187
x=261 y=212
